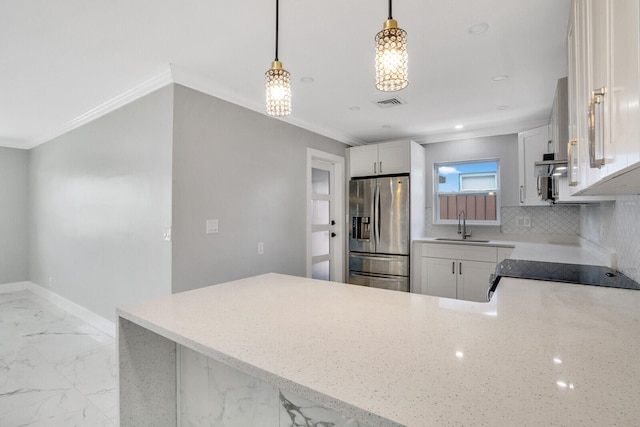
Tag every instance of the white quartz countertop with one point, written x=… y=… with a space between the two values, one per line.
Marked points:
x=577 y=251
x=539 y=353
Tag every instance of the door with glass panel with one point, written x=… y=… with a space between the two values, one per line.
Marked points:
x=325 y=239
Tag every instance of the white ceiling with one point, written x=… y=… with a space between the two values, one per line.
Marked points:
x=64 y=62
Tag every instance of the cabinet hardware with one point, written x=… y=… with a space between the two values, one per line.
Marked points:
x=460 y=269
x=380 y=167
x=453 y=267
x=570 y=149
x=521 y=188
x=375 y=166
x=595 y=122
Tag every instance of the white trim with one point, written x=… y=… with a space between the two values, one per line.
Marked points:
x=179 y=75
x=144 y=88
x=98 y=322
x=14 y=143
x=13 y=287
x=339 y=202
x=204 y=84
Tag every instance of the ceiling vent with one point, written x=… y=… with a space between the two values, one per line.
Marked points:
x=389 y=102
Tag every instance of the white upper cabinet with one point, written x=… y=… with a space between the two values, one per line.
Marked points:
x=603 y=42
x=363 y=160
x=380 y=159
x=532 y=145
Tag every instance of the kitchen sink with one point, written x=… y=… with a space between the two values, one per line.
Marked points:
x=446 y=239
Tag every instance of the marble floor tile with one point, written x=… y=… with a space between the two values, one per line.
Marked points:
x=55 y=370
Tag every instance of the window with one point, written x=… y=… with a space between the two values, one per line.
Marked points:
x=472 y=187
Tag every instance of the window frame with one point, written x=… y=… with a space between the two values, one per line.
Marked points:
x=437 y=194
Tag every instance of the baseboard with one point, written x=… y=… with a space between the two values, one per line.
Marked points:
x=13 y=287
x=98 y=322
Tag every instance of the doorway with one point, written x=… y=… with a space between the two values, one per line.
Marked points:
x=325 y=216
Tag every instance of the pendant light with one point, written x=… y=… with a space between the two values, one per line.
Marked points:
x=391 y=56
x=278 y=84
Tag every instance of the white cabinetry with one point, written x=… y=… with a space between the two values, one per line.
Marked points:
x=603 y=43
x=380 y=159
x=458 y=271
x=532 y=145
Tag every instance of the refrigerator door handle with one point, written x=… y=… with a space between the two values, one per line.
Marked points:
x=373 y=219
x=376 y=214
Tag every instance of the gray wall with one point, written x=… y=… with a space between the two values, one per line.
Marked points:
x=248 y=171
x=503 y=147
x=13 y=215
x=99 y=201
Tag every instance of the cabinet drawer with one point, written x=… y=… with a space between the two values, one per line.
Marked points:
x=461 y=252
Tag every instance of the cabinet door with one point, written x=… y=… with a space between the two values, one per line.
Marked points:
x=531 y=146
x=623 y=147
x=438 y=277
x=394 y=157
x=473 y=280
x=363 y=160
x=599 y=90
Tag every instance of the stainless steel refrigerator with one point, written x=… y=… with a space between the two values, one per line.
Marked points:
x=379 y=236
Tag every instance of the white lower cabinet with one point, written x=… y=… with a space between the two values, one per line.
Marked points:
x=458 y=271
x=439 y=278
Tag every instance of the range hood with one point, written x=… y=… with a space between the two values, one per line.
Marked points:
x=555 y=162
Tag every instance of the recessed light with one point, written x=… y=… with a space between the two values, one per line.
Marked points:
x=503 y=107
x=354 y=108
x=386 y=126
x=459 y=127
x=499 y=78
x=307 y=79
x=478 y=28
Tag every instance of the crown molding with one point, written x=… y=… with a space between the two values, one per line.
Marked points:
x=144 y=88
x=14 y=143
x=506 y=129
x=203 y=84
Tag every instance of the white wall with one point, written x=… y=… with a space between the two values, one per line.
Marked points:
x=99 y=201
x=248 y=171
x=13 y=215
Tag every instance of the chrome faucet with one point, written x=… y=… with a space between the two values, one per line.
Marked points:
x=463 y=230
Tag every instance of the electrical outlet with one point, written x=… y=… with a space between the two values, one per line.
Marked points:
x=260 y=248
x=520 y=221
x=51 y=282
x=167 y=234
x=212 y=226
x=527 y=221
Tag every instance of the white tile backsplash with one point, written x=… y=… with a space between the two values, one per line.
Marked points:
x=555 y=219
x=615 y=225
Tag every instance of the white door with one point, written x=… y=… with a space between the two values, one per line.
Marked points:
x=325 y=228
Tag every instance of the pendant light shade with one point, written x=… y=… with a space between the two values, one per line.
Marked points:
x=278 y=84
x=391 y=56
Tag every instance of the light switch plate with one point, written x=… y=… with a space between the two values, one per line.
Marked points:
x=527 y=221
x=260 y=248
x=212 y=226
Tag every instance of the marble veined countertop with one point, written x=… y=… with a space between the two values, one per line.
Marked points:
x=539 y=353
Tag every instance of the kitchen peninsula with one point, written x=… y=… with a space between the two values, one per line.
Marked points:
x=539 y=353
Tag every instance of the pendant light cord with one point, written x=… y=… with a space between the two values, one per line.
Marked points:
x=390 y=17
x=277 y=10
